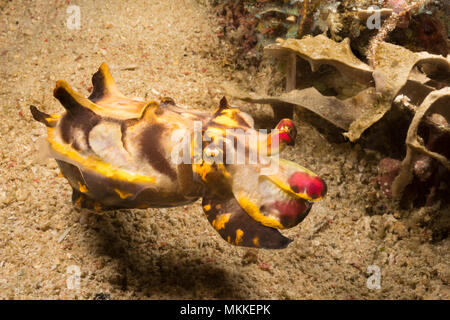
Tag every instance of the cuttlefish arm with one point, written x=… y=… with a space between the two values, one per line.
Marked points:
x=236 y=227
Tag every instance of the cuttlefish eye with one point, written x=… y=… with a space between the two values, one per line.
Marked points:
x=287 y=131
x=301 y=182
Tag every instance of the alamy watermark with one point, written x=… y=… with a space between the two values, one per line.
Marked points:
x=374 y=20
x=374 y=281
x=234 y=146
x=73 y=21
x=73 y=280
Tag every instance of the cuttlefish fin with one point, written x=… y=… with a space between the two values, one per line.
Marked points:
x=236 y=227
x=103 y=85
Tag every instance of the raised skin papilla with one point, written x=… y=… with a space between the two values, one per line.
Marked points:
x=117 y=152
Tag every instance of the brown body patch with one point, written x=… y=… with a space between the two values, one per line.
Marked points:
x=42 y=117
x=76 y=116
x=153 y=151
x=100 y=88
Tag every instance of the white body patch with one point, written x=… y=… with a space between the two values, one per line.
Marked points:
x=105 y=140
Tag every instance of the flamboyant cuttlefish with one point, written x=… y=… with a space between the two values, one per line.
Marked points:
x=118 y=152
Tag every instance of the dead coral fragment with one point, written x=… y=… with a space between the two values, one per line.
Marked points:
x=438 y=102
x=394 y=73
x=321 y=50
x=393 y=67
x=341 y=113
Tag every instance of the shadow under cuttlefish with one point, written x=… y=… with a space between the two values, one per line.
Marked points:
x=145 y=267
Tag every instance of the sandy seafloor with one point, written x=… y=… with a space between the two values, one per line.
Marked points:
x=170 y=48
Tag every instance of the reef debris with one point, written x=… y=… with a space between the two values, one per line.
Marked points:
x=365 y=94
